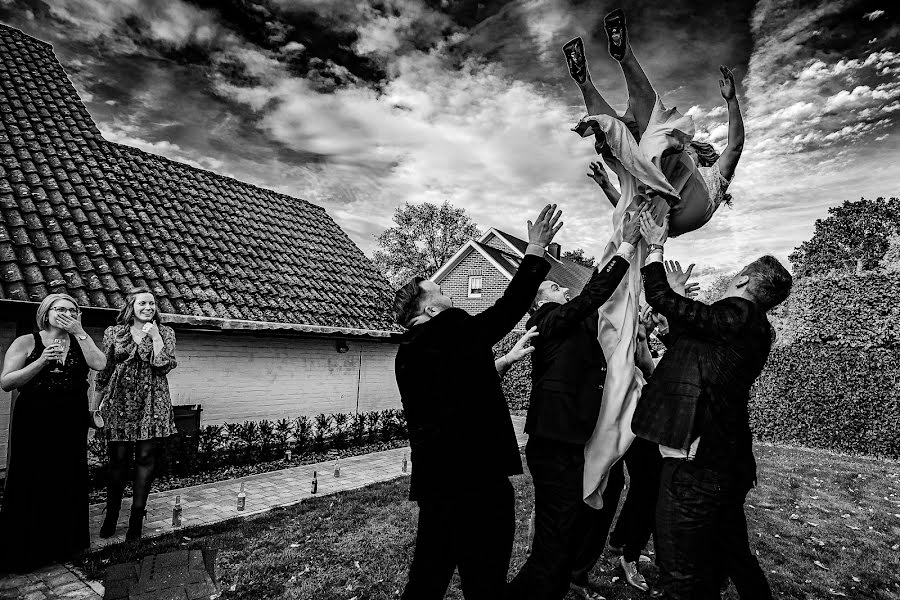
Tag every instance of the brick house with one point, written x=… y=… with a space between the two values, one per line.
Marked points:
x=477 y=275
x=277 y=312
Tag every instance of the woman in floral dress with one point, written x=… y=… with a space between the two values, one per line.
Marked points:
x=137 y=407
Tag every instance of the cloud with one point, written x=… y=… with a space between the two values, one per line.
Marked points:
x=875 y=14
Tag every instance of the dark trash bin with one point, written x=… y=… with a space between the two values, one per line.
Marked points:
x=179 y=454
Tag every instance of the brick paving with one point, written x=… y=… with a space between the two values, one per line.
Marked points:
x=214 y=502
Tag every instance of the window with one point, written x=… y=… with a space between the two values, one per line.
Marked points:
x=475 y=283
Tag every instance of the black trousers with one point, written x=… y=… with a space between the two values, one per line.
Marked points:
x=636 y=521
x=563 y=523
x=592 y=539
x=472 y=533
x=701 y=535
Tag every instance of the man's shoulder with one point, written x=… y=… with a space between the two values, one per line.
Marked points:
x=541 y=313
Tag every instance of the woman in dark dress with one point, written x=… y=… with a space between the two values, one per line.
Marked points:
x=45 y=505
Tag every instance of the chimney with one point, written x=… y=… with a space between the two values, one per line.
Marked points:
x=553 y=250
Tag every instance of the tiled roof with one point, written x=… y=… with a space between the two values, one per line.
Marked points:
x=564 y=272
x=94 y=219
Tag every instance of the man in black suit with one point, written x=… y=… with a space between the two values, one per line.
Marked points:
x=695 y=408
x=567 y=378
x=461 y=436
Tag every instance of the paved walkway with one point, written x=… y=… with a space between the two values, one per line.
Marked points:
x=214 y=502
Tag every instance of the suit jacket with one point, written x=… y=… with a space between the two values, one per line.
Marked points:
x=460 y=432
x=701 y=387
x=568 y=367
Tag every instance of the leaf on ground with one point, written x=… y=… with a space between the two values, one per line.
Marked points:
x=295 y=545
x=820 y=565
x=856 y=579
x=794 y=517
x=837 y=593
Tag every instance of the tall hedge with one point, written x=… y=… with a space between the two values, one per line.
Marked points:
x=832 y=380
x=517 y=381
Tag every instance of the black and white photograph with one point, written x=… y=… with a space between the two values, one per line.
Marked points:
x=463 y=299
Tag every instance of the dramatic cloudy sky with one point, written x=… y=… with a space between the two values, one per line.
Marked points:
x=361 y=105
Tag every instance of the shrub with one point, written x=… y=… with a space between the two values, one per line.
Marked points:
x=302 y=434
x=831 y=380
x=358 y=429
x=517 y=381
x=373 y=422
x=265 y=430
x=339 y=437
x=323 y=431
x=282 y=434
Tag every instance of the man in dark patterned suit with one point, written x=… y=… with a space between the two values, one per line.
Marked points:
x=695 y=408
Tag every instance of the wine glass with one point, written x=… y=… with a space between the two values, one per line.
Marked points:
x=57 y=367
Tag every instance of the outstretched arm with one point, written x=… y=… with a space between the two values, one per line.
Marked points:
x=732 y=154
x=492 y=324
x=714 y=320
x=598 y=174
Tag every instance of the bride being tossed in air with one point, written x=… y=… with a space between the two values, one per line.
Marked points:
x=652 y=144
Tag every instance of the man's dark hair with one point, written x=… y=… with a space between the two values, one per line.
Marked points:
x=770 y=283
x=408 y=301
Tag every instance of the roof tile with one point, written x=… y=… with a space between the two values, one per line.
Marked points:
x=80 y=211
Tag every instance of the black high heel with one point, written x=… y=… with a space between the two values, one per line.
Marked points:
x=135 y=524
x=614 y=23
x=574 y=51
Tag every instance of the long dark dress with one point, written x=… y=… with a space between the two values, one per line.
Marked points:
x=45 y=505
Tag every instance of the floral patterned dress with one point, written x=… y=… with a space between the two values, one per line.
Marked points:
x=136 y=400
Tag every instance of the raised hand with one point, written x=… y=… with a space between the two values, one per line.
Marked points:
x=152 y=330
x=677 y=277
x=631 y=229
x=649 y=318
x=523 y=347
x=726 y=84
x=541 y=232
x=70 y=324
x=598 y=174
x=653 y=232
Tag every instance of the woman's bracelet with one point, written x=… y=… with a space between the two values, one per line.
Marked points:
x=654 y=247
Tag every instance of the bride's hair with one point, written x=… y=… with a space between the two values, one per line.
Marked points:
x=705 y=153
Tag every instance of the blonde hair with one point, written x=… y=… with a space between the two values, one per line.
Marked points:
x=126 y=313
x=43 y=318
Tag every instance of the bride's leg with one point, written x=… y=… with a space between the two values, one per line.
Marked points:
x=576 y=61
x=641 y=95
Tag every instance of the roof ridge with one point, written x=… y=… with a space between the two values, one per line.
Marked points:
x=17 y=31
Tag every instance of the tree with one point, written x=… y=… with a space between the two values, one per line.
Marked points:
x=716 y=288
x=854 y=237
x=890 y=262
x=577 y=256
x=423 y=238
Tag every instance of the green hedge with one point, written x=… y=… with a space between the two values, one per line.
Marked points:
x=250 y=442
x=517 y=381
x=831 y=397
x=832 y=380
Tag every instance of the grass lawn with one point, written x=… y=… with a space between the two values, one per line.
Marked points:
x=824 y=526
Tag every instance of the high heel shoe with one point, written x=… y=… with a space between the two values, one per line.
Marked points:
x=135 y=524
x=575 y=60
